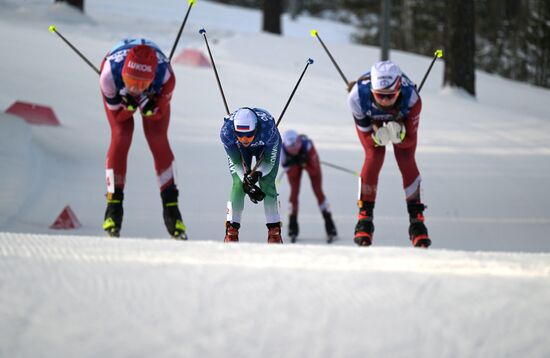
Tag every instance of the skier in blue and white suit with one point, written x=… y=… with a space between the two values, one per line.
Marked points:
x=248 y=133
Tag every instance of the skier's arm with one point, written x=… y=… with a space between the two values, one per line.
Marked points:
x=270 y=157
x=119 y=107
x=362 y=121
x=156 y=106
x=234 y=160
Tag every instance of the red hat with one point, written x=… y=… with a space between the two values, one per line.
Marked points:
x=140 y=63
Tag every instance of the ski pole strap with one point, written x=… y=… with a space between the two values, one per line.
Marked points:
x=314 y=33
x=191 y=3
x=309 y=62
x=53 y=29
x=203 y=33
x=437 y=54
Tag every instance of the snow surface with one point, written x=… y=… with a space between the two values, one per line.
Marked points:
x=482 y=290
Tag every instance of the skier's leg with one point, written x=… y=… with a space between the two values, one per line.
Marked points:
x=294 y=174
x=271 y=205
x=116 y=163
x=374 y=158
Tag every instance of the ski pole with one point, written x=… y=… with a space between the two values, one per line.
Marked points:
x=437 y=54
x=340 y=168
x=314 y=33
x=191 y=3
x=203 y=32
x=53 y=29
x=309 y=62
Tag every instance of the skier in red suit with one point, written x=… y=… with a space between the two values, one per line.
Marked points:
x=386 y=107
x=299 y=154
x=137 y=77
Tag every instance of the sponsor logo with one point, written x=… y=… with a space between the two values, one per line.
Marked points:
x=140 y=67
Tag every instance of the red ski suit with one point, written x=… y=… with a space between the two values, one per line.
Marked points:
x=155 y=128
x=307 y=160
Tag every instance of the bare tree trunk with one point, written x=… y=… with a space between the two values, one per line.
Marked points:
x=460 y=50
x=272 y=10
x=407 y=24
x=79 y=4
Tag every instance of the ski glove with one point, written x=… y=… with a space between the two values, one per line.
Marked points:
x=249 y=187
x=149 y=107
x=129 y=103
x=391 y=132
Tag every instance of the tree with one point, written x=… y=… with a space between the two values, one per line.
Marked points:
x=460 y=45
x=272 y=10
x=79 y=4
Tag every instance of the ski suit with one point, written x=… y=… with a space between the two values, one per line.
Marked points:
x=121 y=120
x=266 y=148
x=306 y=159
x=366 y=113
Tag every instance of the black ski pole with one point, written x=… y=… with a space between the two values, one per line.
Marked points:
x=191 y=3
x=314 y=33
x=53 y=29
x=340 y=168
x=437 y=54
x=203 y=32
x=309 y=62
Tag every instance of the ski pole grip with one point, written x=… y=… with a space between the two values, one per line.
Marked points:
x=51 y=28
x=202 y=31
x=310 y=61
x=314 y=33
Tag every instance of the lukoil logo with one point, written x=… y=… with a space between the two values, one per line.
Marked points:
x=140 y=67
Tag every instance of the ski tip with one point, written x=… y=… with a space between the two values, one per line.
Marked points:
x=313 y=33
x=202 y=31
x=51 y=28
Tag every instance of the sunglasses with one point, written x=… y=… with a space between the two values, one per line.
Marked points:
x=380 y=96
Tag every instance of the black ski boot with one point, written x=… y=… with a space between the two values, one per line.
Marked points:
x=330 y=228
x=418 y=233
x=364 y=228
x=113 y=214
x=171 y=213
x=293 y=229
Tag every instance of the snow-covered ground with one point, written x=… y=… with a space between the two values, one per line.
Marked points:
x=482 y=290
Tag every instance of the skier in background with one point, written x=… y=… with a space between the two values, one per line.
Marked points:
x=248 y=133
x=299 y=154
x=137 y=76
x=386 y=107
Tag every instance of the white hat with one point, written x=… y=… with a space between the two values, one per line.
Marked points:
x=385 y=76
x=290 y=137
x=245 y=120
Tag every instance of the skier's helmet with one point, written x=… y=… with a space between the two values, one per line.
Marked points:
x=385 y=77
x=292 y=142
x=138 y=71
x=245 y=125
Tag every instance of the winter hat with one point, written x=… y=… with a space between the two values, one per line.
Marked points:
x=245 y=120
x=385 y=76
x=292 y=141
x=140 y=63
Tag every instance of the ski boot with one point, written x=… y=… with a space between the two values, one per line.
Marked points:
x=293 y=229
x=171 y=213
x=231 y=232
x=114 y=213
x=364 y=228
x=418 y=233
x=274 y=233
x=330 y=228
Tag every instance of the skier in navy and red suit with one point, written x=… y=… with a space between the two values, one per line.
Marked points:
x=386 y=107
x=299 y=154
x=137 y=77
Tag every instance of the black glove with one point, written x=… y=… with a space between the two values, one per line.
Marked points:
x=129 y=103
x=249 y=187
x=150 y=107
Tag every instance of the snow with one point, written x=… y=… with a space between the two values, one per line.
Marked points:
x=482 y=290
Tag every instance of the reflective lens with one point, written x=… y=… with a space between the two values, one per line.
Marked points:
x=135 y=85
x=385 y=97
x=245 y=138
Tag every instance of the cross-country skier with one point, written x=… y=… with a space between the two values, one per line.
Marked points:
x=299 y=154
x=386 y=108
x=248 y=133
x=137 y=77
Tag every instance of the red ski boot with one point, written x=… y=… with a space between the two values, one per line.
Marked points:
x=418 y=233
x=274 y=233
x=364 y=228
x=231 y=232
